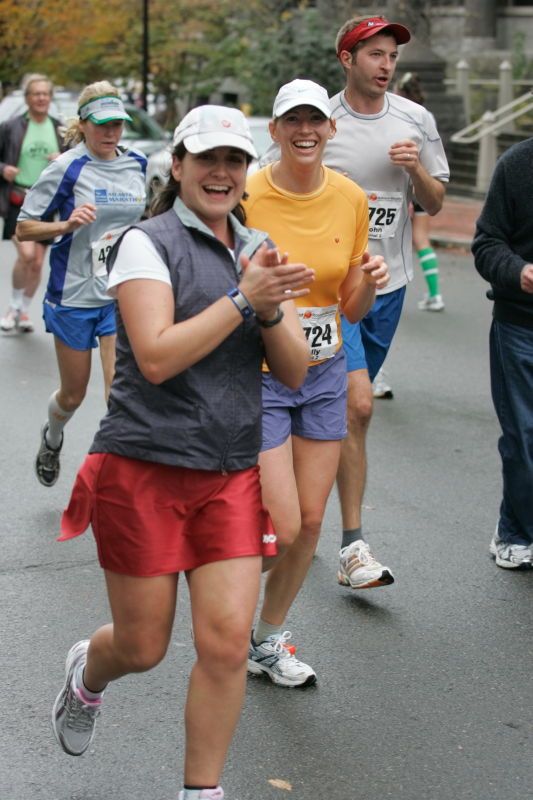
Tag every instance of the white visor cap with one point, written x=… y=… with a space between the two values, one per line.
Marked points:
x=301 y=92
x=207 y=127
x=104 y=109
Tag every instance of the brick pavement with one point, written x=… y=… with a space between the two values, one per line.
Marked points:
x=455 y=224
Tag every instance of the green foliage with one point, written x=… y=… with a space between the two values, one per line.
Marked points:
x=521 y=65
x=296 y=44
x=74 y=43
x=194 y=45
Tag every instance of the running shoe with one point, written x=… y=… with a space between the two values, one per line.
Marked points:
x=47 y=462
x=73 y=717
x=380 y=387
x=25 y=325
x=358 y=568
x=274 y=658
x=205 y=794
x=10 y=321
x=435 y=303
x=511 y=556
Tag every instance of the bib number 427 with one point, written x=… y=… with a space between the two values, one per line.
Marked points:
x=101 y=249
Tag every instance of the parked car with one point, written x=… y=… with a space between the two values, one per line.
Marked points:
x=143 y=132
x=14 y=104
x=159 y=162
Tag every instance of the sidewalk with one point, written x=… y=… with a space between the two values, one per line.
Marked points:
x=455 y=224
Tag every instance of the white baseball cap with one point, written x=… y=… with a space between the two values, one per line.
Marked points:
x=301 y=92
x=104 y=109
x=207 y=127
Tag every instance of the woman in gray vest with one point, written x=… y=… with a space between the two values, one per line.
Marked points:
x=171 y=483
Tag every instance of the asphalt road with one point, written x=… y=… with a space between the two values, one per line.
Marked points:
x=425 y=686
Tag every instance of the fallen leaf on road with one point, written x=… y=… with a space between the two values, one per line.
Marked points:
x=279 y=784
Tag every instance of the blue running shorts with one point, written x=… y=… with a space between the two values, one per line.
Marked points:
x=317 y=410
x=367 y=343
x=79 y=328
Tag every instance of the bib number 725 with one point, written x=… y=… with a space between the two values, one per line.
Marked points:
x=381 y=216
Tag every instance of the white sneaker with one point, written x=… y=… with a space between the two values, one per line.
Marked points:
x=24 y=324
x=274 y=658
x=360 y=570
x=380 y=387
x=435 y=303
x=73 y=717
x=511 y=556
x=205 y=794
x=10 y=320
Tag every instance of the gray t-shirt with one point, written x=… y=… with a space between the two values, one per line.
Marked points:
x=360 y=150
x=77 y=260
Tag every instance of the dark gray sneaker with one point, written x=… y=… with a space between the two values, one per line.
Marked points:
x=47 y=462
x=73 y=717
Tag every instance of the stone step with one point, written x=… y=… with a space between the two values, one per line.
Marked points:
x=463 y=161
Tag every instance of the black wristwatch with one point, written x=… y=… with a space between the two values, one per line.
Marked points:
x=269 y=323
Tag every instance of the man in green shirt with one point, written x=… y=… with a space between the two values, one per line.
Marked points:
x=27 y=144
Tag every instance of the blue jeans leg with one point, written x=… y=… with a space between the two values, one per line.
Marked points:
x=511 y=369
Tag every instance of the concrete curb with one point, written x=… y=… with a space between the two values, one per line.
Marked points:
x=450 y=241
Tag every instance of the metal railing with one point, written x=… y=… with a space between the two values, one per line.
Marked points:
x=486 y=129
x=494 y=122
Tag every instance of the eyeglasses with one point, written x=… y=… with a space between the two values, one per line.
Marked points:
x=39 y=94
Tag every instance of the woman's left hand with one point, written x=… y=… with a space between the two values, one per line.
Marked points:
x=375 y=270
x=268 y=280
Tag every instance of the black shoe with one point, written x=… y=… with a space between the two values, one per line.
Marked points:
x=47 y=462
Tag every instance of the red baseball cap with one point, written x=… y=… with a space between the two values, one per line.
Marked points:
x=370 y=27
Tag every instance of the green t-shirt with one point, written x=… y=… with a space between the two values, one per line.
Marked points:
x=39 y=142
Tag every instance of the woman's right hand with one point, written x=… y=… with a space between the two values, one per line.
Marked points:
x=82 y=215
x=269 y=280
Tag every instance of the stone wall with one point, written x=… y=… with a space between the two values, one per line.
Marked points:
x=448 y=33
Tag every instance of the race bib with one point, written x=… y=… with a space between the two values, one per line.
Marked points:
x=101 y=249
x=384 y=214
x=320 y=328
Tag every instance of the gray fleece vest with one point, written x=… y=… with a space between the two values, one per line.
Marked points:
x=209 y=416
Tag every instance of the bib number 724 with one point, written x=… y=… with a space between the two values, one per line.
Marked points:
x=318 y=335
x=319 y=324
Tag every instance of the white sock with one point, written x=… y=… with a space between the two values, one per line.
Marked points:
x=77 y=682
x=25 y=303
x=16 y=298
x=57 y=419
x=263 y=630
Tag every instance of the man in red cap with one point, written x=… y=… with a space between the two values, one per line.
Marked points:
x=391 y=148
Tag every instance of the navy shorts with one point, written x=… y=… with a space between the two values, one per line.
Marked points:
x=79 y=328
x=317 y=410
x=367 y=343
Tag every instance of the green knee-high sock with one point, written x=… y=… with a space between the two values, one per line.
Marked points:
x=430 y=266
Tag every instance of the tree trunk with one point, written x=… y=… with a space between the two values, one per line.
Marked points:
x=411 y=13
